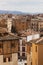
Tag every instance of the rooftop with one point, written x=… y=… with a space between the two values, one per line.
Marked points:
x=37 y=41
x=4 y=35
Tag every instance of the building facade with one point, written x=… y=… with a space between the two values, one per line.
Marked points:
x=37 y=53
x=37 y=25
x=21 y=24
x=8 y=48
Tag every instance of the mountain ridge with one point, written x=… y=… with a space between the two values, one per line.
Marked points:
x=10 y=12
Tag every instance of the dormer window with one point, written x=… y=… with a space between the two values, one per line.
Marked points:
x=13 y=44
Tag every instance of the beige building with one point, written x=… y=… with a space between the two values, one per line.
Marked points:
x=37 y=52
x=22 y=55
x=37 y=25
x=40 y=24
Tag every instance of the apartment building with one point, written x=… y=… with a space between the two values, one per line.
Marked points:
x=8 y=48
x=25 y=55
x=34 y=24
x=37 y=53
x=41 y=28
x=23 y=49
x=37 y=25
x=22 y=55
x=6 y=23
x=21 y=24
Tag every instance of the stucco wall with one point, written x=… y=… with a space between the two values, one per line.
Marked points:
x=13 y=62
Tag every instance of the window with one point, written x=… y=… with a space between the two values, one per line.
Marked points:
x=25 y=63
x=18 y=54
x=36 y=48
x=0 y=35
x=31 y=63
x=9 y=59
x=23 y=54
x=27 y=20
x=0 y=45
x=18 y=48
x=23 y=49
x=4 y=59
x=13 y=44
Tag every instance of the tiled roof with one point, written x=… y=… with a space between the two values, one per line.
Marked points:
x=37 y=41
x=4 y=35
x=40 y=40
x=9 y=37
x=3 y=30
x=27 y=33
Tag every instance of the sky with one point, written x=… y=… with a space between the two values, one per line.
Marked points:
x=28 y=6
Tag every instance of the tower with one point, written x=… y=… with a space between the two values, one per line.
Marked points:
x=9 y=24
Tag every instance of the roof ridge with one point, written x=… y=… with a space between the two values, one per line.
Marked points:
x=39 y=40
